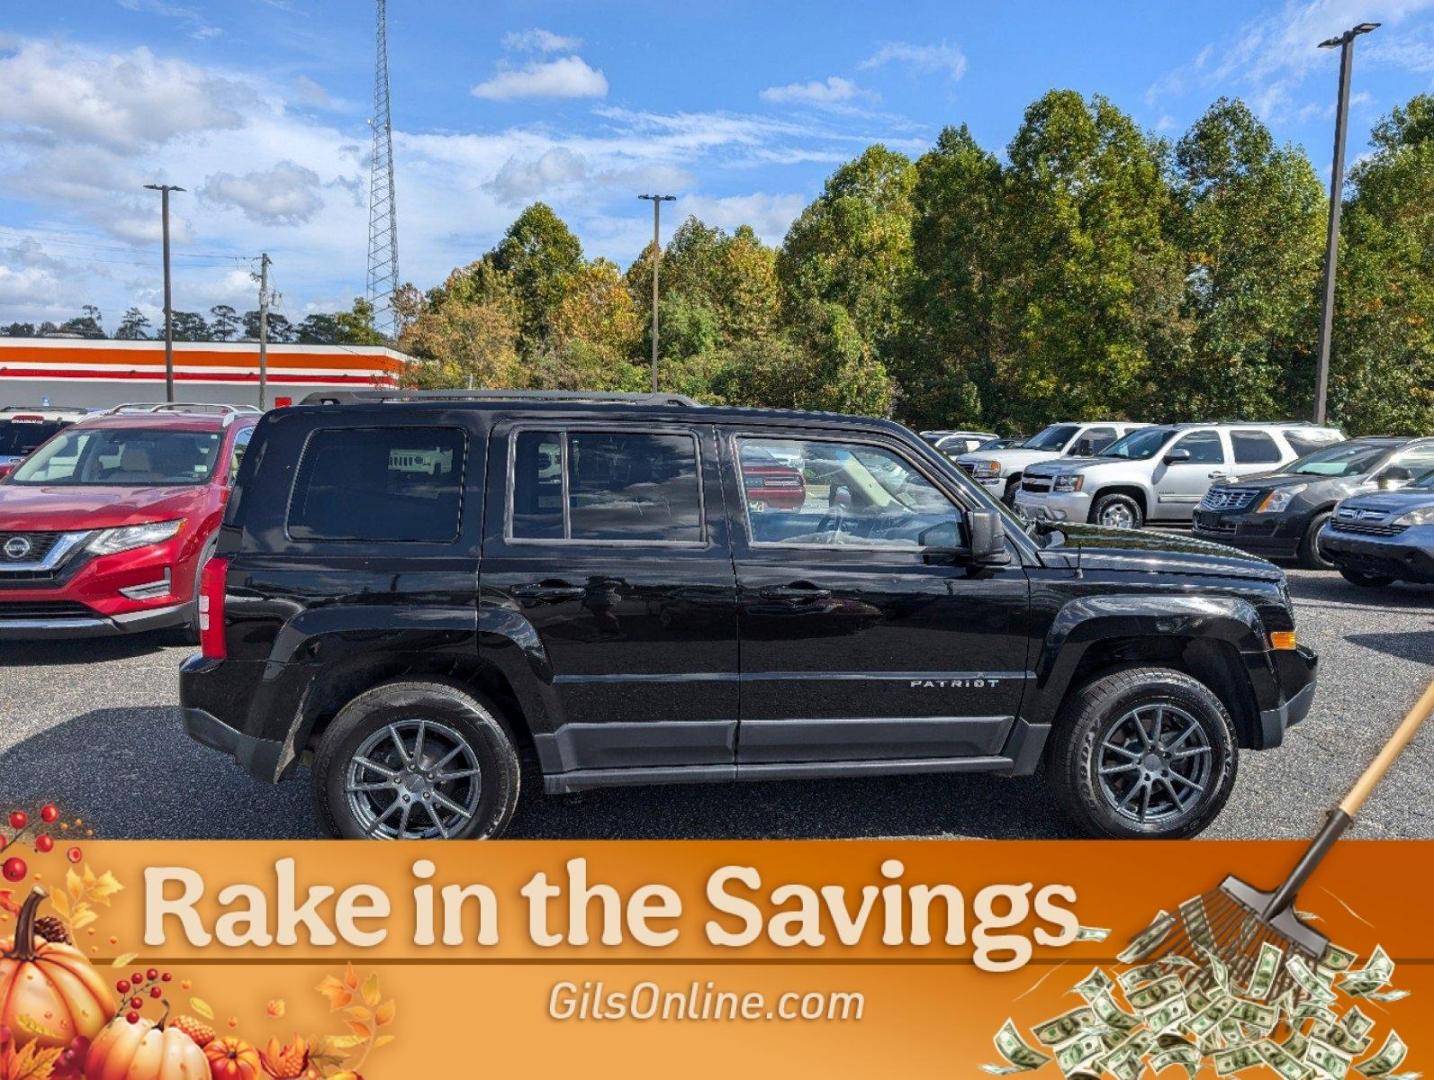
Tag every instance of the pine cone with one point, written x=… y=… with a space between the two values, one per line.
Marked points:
x=52 y=929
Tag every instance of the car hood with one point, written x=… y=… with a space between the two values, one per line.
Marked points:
x=1149 y=551
x=75 y=509
x=1011 y=458
x=1390 y=502
x=1074 y=464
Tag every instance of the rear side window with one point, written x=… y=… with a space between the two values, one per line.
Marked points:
x=1254 y=448
x=395 y=484
x=1204 y=447
x=606 y=486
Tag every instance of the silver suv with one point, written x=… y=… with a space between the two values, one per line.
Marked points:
x=999 y=471
x=1162 y=473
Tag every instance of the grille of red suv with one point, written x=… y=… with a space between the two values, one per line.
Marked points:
x=45 y=609
x=32 y=546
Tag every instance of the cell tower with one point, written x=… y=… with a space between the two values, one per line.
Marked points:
x=382 y=208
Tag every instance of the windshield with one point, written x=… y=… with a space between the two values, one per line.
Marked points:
x=19 y=437
x=1344 y=459
x=1139 y=445
x=1424 y=480
x=1054 y=437
x=122 y=457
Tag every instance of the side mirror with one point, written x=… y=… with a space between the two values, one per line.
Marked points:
x=988 y=537
x=1177 y=457
x=1396 y=476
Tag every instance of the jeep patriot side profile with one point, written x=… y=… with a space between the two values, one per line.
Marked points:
x=422 y=590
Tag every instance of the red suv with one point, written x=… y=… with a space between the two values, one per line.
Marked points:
x=105 y=527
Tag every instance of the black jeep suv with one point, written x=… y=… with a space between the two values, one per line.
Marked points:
x=422 y=590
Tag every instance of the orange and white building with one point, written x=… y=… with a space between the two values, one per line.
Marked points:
x=97 y=373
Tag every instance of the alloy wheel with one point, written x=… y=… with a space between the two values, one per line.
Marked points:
x=1117 y=516
x=413 y=779
x=1155 y=764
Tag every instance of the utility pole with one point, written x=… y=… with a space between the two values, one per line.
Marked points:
x=264 y=261
x=164 y=190
x=1345 y=43
x=657 y=201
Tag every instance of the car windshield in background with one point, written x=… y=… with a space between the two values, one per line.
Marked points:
x=19 y=437
x=1053 y=438
x=1340 y=460
x=1139 y=445
x=1424 y=480
x=122 y=457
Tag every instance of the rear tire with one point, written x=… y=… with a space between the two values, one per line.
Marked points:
x=456 y=774
x=1098 y=778
x=1365 y=581
x=1117 y=512
x=1310 y=556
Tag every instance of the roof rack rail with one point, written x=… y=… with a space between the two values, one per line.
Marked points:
x=209 y=407
x=351 y=397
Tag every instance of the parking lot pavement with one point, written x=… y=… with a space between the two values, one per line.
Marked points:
x=92 y=725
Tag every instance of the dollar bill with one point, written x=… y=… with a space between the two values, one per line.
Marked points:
x=1387 y=995
x=1092 y=933
x=1391 y=1055
x=1355 y=1022
x=1112 y=1015
x=1197 y=998
x=1064 y=1028
x=1336 y=959
x=1312 y=1010
x=1149 y=939
x=1208 y=1019
x=1146 y=998
x=1144 y=973
x=1329 y=1060
x=1267 y=966
x=1217 y=970
x=1020 y=1056
x=1258 y=1015
x=1282 y=1061
x=1186 y=1056
x=1168 y=1015
x=1236 y=1059
x=1308 y=981
x=1296 y=1043
x=1094 y=984
x=1079 y=1052
x=1340 y=1037
x=1197 y=922
x=1375 y=975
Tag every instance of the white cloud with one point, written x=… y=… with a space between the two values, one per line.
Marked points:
x=286 y=194
x=536 y=40
x=568 y=77
x=830 y=91
x=941 y=57
x=199 y=27
x=770 y=215
x=311 y=93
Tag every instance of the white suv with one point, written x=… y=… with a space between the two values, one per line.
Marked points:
x=1161 y=473
x=999 y=471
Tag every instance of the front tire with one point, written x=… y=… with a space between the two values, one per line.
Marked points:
x=1117 y=512
x=416 y=760
x=1147 y=753
x=1365 y=581
x=1310 y=556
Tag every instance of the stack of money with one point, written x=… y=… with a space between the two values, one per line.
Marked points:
x=1192 y=1012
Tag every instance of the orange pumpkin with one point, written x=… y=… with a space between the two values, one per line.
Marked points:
x=144 y=1051
x=49 y=993
x=232 y=1058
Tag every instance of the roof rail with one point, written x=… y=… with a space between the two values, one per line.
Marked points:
x=207 y=407
x=353 y=397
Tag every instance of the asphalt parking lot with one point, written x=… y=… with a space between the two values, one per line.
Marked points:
x=92 y=726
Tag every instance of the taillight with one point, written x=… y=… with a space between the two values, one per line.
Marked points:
x=212 y=583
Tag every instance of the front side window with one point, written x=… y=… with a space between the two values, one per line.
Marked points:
x=1140 y=445
x=1416 y=461
x=1052 y=438
x=1204 y=447
x=1254 y=448
x=379 y=484
x=804 y=492
x=122 y=457
x=606 y=486
x=236 y=455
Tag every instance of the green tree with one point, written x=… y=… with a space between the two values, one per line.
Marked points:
x=190 y=326
x=134 y=326
x=223 y=322
x=19 y=329
x=281 y=330
x=1250 y=225
x=462 y=337
x=538 y=253
x=1382 y=363
x=87 y=324
x=355 y=326
x=318 y=329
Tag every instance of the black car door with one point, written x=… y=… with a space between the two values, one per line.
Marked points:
x=861 y=639
x=609 y=540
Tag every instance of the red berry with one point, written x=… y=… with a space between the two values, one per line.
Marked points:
x=43 y=844
x=2 y=843
x=74 y=854
x=165 y=977
x=132 y=1017
x=14 y=869
x=122 y=986
x=137 y=978
x=152 y=974
x=19 y=819
x=136 y=1003
x=155 y=991
x=49 y=813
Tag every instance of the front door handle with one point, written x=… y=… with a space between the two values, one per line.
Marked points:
x=798 y=590
x=548 y=590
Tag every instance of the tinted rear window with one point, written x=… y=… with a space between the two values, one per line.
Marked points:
x=395 y=484
x=22 y=436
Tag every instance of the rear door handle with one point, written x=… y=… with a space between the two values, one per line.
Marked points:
x=798 y=590
x=539 y=590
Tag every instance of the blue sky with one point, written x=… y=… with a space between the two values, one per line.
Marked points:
x=259 y=108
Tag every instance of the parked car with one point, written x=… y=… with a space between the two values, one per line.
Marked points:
x=637 y=619
x=1280 y=515
x=769 y=482
x=104 y=528
x=23 y=428
x=1381 y=537
x=1161 y=473
x=958 y=442
x=1000 y=471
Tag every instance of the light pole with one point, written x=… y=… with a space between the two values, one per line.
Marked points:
x=657 y=201
x=1345 y=43
x=164 y=190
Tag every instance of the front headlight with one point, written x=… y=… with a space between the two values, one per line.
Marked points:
x=987 y=470
x=1276 y=501
x=1068 y=482
x=1423 y=516
x=128 y=537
